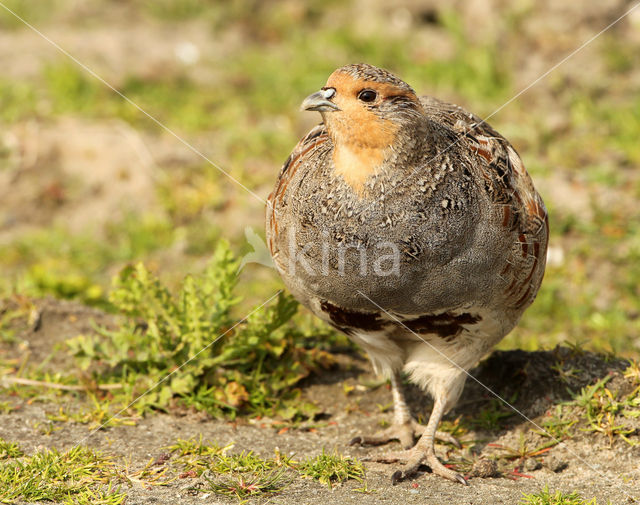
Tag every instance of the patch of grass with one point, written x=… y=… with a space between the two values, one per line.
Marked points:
x=9 y=450
x=245 y=474
x=17 y=100
x=600 y=409
x=101 y=415
x=195 y=455
x=6 y=407
x=454 y=427
x=189 y=346
x=190 y=192
x=79 y=475
x=243 y=485
x=240 y=475
x=84 y=476
x=605 y=410
x=545 y=497
x=15 y=313
x=242 y=462
x=524 y=450
x=332 y=468
x=558 y=425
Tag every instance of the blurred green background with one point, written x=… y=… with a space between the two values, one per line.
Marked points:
x=88 y=183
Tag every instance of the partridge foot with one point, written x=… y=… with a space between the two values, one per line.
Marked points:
x=405 y=433
x=412 y=460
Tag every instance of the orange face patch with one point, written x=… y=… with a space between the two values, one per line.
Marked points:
x=357 y=165
x=361 y=138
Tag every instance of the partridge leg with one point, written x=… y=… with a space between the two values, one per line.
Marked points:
x=404 y=427
x=423 y=452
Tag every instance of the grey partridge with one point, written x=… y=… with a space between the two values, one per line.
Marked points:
x=412 y=226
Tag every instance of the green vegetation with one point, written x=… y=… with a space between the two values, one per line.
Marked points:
x=27 y=11
x=247 y=474
x=523 y=451
x=190 y=346
x=9 y=450
x=5 y=407
x=545 y=497
x=243 y=475
x=332 y=468
x=600 y=409
x=85 y=476
x=605 y=410
x=81 y=476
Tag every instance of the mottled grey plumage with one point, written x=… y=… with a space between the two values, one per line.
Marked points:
x=403 y=220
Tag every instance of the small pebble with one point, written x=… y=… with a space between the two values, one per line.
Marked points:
x=485 y=468
x=531 y=464
x=556 y=464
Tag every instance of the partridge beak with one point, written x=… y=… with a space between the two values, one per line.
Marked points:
x=318 y=101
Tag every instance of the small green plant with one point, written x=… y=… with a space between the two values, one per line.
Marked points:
x=6 y=407
x=523 y=451
x=195 y=456
x=240 y=475
x=16 y=313
x=80 y=475
x=192 y=447
x=454 y=427
x=242 y=485
x=604 y=410
x=632 y=372
x=545 y=497
x=597 y=408
x=9 y=450
x=556 y=425
x=101 y=415
x=246 y=474
x=190 y=347
x=333 y=468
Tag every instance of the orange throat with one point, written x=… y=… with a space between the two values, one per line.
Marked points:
x=357 y=163
x=360 y=149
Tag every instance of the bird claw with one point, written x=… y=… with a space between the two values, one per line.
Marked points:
x=461 y=479
x=405 y=433
x=413 y=458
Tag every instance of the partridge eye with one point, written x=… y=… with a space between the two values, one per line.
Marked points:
x=367 y=95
